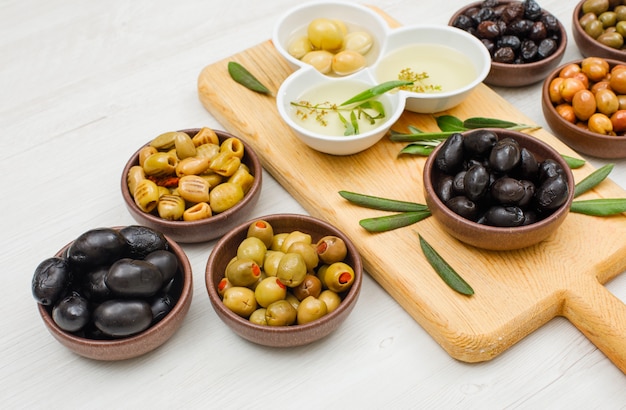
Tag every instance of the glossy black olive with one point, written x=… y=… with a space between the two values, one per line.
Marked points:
x=508 y=191
x=133 y=278
x=71 y=313
x=505 y=155
x=96 y=247
x=520 y=28
x=504 y=216
x=529 y=51
x=529 y=194
x=51 y=278
x=488 y=29
x=509 y=41
x=462 y=206
x=444 y=188
x=93 y=286
x=530 y=217
x=458 y=183
x=548 y=169
x=463 y=22
x=547 y=47
x=143 y=240
x=538 y=31
x=476 y=182
x=504 y=55
x=532 y=10
x=528 y=167
x=161 y=305
x=122 y=317
x=552 y=193
x=166 y=261
x=450 y=157
x=479 y=142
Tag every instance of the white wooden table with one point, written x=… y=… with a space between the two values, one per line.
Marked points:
x=82 y=85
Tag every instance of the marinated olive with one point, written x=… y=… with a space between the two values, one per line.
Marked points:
x=280 y=313
x=269 y=290
x=71 y=313
x=96 y=247
x=338 y=277
x=331 y=299
x=252 y=248
x=262 y=230
x=291 y=269
x=225 y=196
x=243 y=272
x=122 y=317
x=310 y=309
x=133 y=278
x=51 y=278
x=310 y=286
x=331 y=249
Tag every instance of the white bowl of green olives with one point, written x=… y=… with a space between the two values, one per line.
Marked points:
x=114 y=293
x=193 y=185
x=498 y=189
x=284 y=280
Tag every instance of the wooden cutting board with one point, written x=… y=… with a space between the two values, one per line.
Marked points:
x=516 y=292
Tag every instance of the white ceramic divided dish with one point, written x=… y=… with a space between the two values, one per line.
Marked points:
x=302 y=80
x=295 y=21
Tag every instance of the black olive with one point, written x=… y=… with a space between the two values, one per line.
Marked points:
x=462 y=206
x=71 y=313
x=505 y=155
x=508 y=191
x=133 y=278
x=463 y=22
x=528 y=167
x=520 y=28
x=552 y=193
x=538 y=31
x=509 y=41
x=458 y=183
x=450 y=156
x=513 y=11
x=93 y=286
x=529 y=194
x=96 y=247
x=547 y=47
x=532 y=10
x=504 y=55
x=479 y=142
x=51 y=278
x=504 y=216
x=551 y=23
x=529 y=51
x=160 y=306
x=484 y=14
x=142 y=240
x=166 y=261
x=476 y=182
x=444 y=188
x=488 y=29
x=548 y=169
x=489 y=44
x=122 y=317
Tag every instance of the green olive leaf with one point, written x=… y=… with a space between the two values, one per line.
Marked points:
x=572 y=162
x=444 y=270
x=375 y=91
x=382 y=204
x=415 y=149
x=241 y=75
x=599 y=207
x=449 y=123
x=391 y=222
x=593 y=179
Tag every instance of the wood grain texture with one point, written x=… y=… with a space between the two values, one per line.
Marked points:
x=516 y=292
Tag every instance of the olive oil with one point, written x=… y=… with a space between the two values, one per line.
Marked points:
x=446 y=69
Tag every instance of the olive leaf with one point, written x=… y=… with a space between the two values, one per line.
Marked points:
x=382 y=204
x=572 y=162
x=450 y=123
x=375 y=91
x=593 y=179
x=444 y=270
x=599 y=207
x=395 y=221
x=241 y=75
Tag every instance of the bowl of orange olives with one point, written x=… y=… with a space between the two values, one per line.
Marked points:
x=193 y=185
x=584 y=104
x=284 y=280
x=599 y=27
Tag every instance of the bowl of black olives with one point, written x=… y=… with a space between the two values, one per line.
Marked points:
x=525 y=41
x=498 y=189
x=114 y=293
x=599 y=27
x=284 y=280
x=192 y=185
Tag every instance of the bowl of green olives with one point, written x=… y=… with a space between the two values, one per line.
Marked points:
x=193 y=185
x=599 y=27
x=583 y=103
x=114 y=293
x=284 y=280
x=525 y=41
x=498 y=189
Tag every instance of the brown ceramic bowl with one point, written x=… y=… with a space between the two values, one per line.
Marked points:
x=588 y=46
x=492 y=237
x=519 y=75
x=205 y=229
x=135 y=345
x=281 y=336
x=580 y=139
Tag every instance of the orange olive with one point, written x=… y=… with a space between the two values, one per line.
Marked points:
x=618 y=119
x=566 y=112
x=599 y=86
x=569 y=70
x=618 y=80
x=569 y=87
x=555 y=91
x=584 y=104
x=606 y=101
x=596 y=68
x=601 y=124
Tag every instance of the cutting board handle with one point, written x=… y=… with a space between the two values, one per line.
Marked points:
x=600 y=316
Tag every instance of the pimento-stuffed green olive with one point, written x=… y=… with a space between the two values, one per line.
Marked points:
x=269 y=290
x=338 y=277
x=262 y=230
x=252 y=248
x=243 y=272
x=291 y=269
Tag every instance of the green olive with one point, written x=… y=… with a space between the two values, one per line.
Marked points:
x=160 y=164
x=258 y=317
x=308 y=252
x=262 y=230
x=608 y=19
x=164 y=141
x=194 y=189
x=331 y=249
x=269 y=290
x=295 y=236
x=347 y=62
x=359 y=41
x=240 y=300
x=171 y=207
x=620 y=12
x=277 y=241
x=620 y=28
x=185 y=148
x=311 y=309
x=225 y=196
x=321 y=60
x=594 y=28
x=310 y=286
x=272 y=259
x=339 y=277
x=252 y=248
x=586 y=19
x=332 y=299
x=595 y=6
x=280 y=313
x=243 y=272
x=291 y=269
x=299 y=47
x=325 y=34
x=222 y=285
x=292 y=300
x=147 y=195
x=611 y=39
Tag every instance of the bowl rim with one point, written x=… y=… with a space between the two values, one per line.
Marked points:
x=547 y=104
x=350 y=297
x=256 y=171
x=578 y=29
x=488 y=229
x=557 y=55
x=180 y=308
